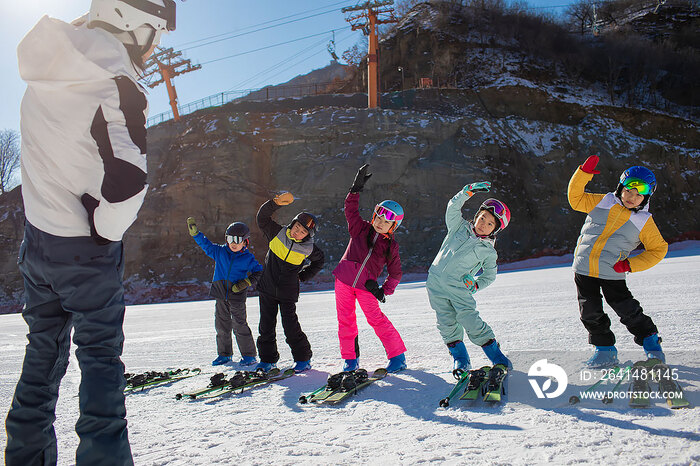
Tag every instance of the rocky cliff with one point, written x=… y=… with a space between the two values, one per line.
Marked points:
x=220 y=165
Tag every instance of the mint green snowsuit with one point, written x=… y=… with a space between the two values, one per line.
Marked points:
x=461 y=252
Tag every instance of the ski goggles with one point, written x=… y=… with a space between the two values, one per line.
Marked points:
x=165 y=12
x=496 y=207
x=388 y=215
x=642 y=187
x=235 y=239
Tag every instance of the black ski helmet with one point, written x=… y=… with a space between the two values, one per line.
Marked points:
x=238 y=232
x=306 y=220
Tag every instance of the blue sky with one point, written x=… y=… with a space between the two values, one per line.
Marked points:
x=204 y=28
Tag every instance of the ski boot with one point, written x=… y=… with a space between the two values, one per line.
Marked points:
x=351 y=365
x=652 y=347
x=221 y=360
x=301 y=366
x=265 y=366
x=248 y=361
x=604 y=356
x=397 y=363
x=493 y=352
x=460 y=355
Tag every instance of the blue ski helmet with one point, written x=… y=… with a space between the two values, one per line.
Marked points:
x=640 y=178
x=391 y=211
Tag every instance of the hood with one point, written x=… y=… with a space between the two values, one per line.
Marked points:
x=58 y=54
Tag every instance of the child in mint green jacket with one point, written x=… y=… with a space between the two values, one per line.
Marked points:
x=466 y=263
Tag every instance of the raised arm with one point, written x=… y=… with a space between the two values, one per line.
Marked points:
x=579 y=199
x=453 y=215
x=264 y=217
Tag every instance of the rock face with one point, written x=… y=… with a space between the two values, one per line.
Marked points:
x=220 y=165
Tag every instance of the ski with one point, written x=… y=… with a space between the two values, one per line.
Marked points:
x=621 y=374
x=349 y=388
x=669 y=388
x=244 y=380
x=342 y=386
x=609 y=374
x=333 y=385
x=240 y=381
x=476 y=384
x=494 y=388
x=639 y=387
x=138 y=382
x=462 y=379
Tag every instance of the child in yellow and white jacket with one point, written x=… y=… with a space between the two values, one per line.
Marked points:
x=616 y=224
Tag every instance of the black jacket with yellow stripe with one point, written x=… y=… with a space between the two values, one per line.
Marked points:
x=288 y=261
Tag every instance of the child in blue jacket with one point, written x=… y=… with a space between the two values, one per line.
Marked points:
x=235 y=270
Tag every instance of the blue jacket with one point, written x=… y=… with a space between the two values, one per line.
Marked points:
x=229 y=268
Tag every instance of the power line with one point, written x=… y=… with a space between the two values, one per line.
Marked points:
x=286 y=60
x=239 y=33
x=275 y=66
x=273 y=45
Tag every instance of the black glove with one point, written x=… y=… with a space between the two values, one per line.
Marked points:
x=373 y=287
x=360 y=179
x=90 y=204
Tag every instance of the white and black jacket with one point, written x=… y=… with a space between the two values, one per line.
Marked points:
x=83 y=126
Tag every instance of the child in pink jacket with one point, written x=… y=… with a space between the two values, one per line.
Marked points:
x=372 y=245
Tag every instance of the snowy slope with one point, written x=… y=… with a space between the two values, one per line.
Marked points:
x=397 y=420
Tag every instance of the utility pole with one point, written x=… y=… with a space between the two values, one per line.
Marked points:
x=168 y=64
x=372 y=13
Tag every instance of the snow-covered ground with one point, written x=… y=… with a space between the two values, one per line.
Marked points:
x=397 y=420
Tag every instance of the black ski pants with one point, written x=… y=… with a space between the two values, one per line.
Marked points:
x=70 y=283
x=618 y=296
x=295 y=337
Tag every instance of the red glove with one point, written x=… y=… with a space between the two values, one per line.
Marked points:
x=589 y=165
x=622 y=266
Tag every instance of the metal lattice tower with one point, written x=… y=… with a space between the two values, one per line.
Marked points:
x=167 y=64
x=371 y=14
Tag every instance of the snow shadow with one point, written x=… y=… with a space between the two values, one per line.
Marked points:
x=418 y=394
x=599 y=418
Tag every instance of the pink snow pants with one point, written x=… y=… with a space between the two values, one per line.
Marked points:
x=347 y=321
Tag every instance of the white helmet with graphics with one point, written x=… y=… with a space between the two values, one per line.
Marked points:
x=143 y=20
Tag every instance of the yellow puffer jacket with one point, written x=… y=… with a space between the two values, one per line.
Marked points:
x=611 y=232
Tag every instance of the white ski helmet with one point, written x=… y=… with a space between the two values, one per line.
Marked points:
x=134 y=17
x=129 y=15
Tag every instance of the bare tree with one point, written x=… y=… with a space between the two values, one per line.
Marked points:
x=354 y=55
x=581 y=14
x=9 y=157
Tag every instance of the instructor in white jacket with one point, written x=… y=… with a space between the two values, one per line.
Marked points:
x=83 y=126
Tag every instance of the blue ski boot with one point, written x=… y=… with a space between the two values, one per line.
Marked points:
x=248 y=361
x=493 y=352
x=604 y=356
x=351 y=365
x=397 y=363
x=265 y=366
x=652 y=347
x=221 y=360
x=460 y=355
x=301 y=366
